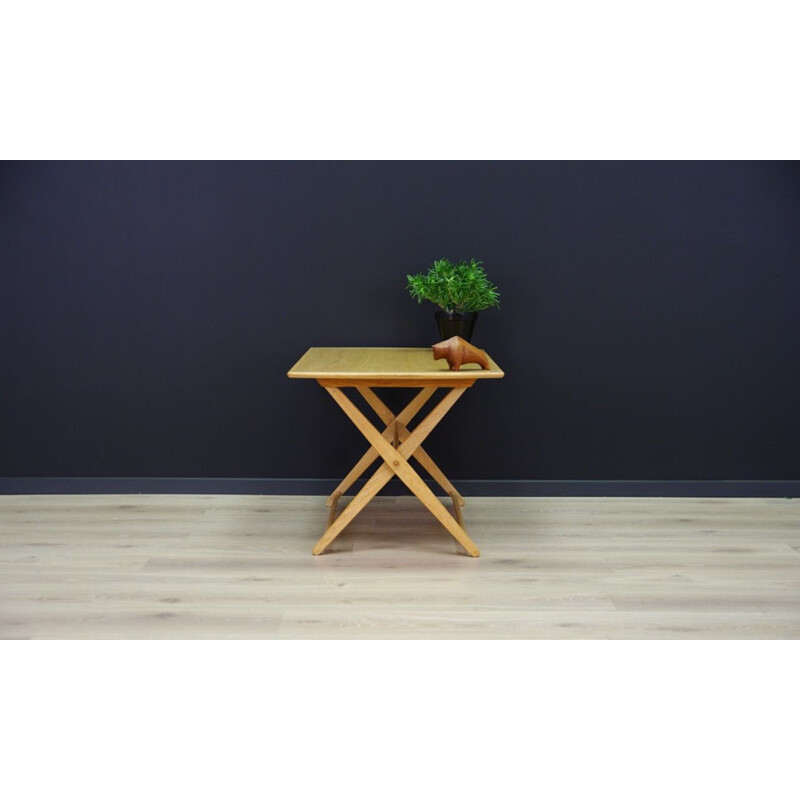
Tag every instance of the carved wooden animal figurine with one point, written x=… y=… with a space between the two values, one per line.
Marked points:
x=458 y=351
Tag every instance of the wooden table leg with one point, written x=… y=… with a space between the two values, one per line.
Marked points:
x=396 y=461
x=457 y=509
x=378 y=480
x=332 y=512
x=425 y=461
x=389 y=419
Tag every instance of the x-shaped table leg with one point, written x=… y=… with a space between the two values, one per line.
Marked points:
x=397 y=431
x=395 y=457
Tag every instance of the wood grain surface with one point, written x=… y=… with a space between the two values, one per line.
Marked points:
x=381 y=364
x=217 y=567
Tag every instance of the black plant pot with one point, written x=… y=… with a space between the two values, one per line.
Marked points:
x=454 y=323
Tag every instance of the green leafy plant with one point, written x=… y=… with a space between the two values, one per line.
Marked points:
x=461 y=287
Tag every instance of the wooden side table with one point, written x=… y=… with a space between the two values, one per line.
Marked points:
x=364 y=369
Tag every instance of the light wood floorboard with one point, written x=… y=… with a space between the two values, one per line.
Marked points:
x=240 y=567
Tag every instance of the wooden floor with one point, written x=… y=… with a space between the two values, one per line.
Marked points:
x=219 y=567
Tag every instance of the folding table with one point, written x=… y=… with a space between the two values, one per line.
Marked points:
x=365 y=369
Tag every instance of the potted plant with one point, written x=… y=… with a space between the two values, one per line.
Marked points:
x=461 y=290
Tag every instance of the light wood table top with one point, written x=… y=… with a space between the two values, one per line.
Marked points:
x=385 y=365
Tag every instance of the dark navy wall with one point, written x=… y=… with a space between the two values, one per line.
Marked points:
x=649 y=325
